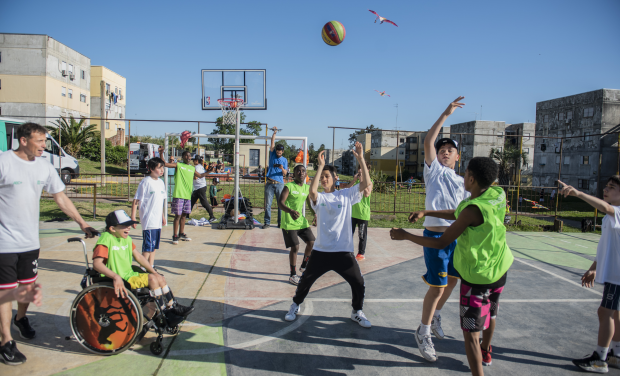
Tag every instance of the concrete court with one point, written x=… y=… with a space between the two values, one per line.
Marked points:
x=238 y=282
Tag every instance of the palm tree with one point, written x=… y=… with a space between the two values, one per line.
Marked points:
x=73 y=134
x=507 y=159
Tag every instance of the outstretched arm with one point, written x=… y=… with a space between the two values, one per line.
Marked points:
x=568 y=190
x=314 y=186
x=273 y=139
x=429 y=142
x=365 y=181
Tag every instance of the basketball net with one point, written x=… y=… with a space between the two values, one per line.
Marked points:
x=230 y=108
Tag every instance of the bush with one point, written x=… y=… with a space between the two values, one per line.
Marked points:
x=114 y=154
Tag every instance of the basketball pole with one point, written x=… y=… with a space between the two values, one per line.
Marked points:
x=237 y=168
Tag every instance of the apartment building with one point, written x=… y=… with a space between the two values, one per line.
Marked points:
x=114 y=96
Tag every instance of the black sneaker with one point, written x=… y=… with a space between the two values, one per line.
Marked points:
x=593 y=363
x=10 y=355
x=613 y=360
x=184 y=237
x=25 y=330
x=180 y=310
x=213 y=219
x=266 y=226
x=175 y=239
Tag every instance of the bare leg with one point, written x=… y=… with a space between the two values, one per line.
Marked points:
x=175 y=225
x=292 y=256
x=474 y=355
x=308 y=251
x=6 y=313
x=430 y=302
x=182 y=224
x=447 y=291
x=487 y=335
x=616 y=337
x=606 y=326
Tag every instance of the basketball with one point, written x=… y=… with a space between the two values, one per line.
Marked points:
x=333 y=33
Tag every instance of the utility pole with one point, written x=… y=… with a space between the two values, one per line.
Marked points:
x=103 y=118
x=396 y=116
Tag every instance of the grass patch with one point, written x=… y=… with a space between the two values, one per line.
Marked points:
x=91 y=167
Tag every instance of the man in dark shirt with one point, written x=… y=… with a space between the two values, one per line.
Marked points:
x=276 y=172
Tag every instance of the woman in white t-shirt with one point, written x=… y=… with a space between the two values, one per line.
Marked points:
x=333 y=248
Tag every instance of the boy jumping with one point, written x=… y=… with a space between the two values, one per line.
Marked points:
x=333 y=249
x=294 y=224
x=482 y=257
x=606 y=271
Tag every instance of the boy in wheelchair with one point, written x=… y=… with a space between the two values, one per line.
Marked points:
x=112 y=257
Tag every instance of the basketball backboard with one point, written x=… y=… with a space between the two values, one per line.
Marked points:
x=246 y=84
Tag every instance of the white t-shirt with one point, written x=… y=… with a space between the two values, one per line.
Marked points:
x=333 y=211
x=21 y=184
x=151 y=194
x=608 y=251
x=201 y=182
x=445 y=189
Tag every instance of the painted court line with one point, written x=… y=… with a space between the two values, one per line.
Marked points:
x=415 y=300
x=558 y=276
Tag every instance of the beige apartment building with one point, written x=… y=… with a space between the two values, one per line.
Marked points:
x=115 y=102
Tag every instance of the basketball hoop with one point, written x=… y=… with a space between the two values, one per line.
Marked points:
x=230 y=108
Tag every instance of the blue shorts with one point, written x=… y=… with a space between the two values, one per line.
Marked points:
x=150 y=240
x=439 y=262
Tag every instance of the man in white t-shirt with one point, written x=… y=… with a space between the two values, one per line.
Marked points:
x=150 y=197
x=444 y=191
x=333 y=248
x=200 y=189
x=606 y=271
x=23 y=176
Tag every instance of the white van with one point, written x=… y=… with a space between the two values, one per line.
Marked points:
x=66 y=165
x=139 y=154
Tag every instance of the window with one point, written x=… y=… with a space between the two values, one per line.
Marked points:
x=422 y=152
x=83 y=74
x=585 y=159
x=401 y=152
x=120 y=93
x=557 y=159
x=115 y=90
x=546 y=119
x=583 y=184
x=82 y=98
x=71 y=68
x=402 y=140
x=107 y=125
x=0 y=56
x=421 y=164
x=70 y=93
x=526 y=151
x=586 y=136
x=567 y=159
x=414 y=139
x=561 y=116
x=543 y=161
x=569 y=115
x=64 y=66
x=64 y=91
x=588 y=112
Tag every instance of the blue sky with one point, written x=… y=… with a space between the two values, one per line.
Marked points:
x=503 y=56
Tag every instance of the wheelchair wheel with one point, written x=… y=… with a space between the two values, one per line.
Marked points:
x=103 y=323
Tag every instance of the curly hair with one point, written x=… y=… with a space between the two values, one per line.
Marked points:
x=484 y=171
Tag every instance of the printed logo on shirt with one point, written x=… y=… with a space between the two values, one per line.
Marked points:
x=152 y=192
x=40 y=182
x=117 y=248
x=442 y=274
x=339 y=206
x=17 y=182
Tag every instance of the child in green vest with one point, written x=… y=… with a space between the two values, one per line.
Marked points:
x=482 y=257
x=294 y=225
x=113 y=256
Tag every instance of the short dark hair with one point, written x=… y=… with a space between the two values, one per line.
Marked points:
x=614 y=179
x=331 y=169
x=279 y=147
x=27 y=129
x=154 y=162
x=298 y=166
x=484 y=170
x=185 y=152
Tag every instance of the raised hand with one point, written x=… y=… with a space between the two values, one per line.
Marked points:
x=416 y=216
x=454 y=105
x=358 y=151
x=322 y=158
x=567 y=190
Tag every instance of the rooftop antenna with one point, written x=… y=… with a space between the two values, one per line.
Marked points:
x=396 y=115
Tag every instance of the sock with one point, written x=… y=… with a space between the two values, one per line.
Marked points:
x=616 y=347
x=293 y=267
x=305 y=262
x=602 y=352
x=160 y=300
x=157 y=292
x=425 y=330
x=437 y=312
x=165 y=289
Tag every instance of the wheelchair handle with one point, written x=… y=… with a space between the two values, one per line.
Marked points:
x=71 y=240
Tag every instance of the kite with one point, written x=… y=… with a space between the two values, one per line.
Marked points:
x=535 y=205
x=185 y=136
x=382 y=19
x=382 y=93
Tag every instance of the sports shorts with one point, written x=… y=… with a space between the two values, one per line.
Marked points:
x=439 y=262
x=479 y=304
x=181 y=206
x=611 y=296
x=140 y=281
x=150 y=240
x=291 y=237
x=22 y=267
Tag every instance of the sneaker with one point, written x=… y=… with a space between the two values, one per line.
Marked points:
x=360 y=318
x=266 y=226
x=294 y=279
x=425 y=345
x=486 y=356
x=302 y=269
x=175 y=240
x=25 y=330
x=436 y=327
x=612 y=359
x=592 y=363
x=360 y=257
x=180 y=310
x=185 y=238
x=292 y=312
x=212 y=219
x=10 y=355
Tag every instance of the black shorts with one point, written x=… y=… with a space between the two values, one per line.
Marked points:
x=18 y=268
x=291 y=237
x=611 y=296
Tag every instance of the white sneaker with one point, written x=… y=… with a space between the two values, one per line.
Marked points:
x=294 y=279
x=425 y=345
x=292 y=312
x=360 y=318
x=436 y=327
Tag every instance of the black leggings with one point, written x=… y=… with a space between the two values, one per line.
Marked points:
x=343 y=263
x=201 y=194
x=362 y=232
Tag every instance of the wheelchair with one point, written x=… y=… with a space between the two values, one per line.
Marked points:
x=106 y=324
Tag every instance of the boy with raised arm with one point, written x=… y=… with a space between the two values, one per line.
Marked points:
x=606 y=271
x=444 y=191
x=294 y=224
x=482 y=257
x=333 y=249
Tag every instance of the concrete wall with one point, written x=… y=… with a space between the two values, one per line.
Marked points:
x=477 y=146
x=528 y=146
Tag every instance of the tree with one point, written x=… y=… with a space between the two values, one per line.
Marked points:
x=507 y=159
x=72 y=135
x=353 y=136
x=314 y=155
x=227 y=145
